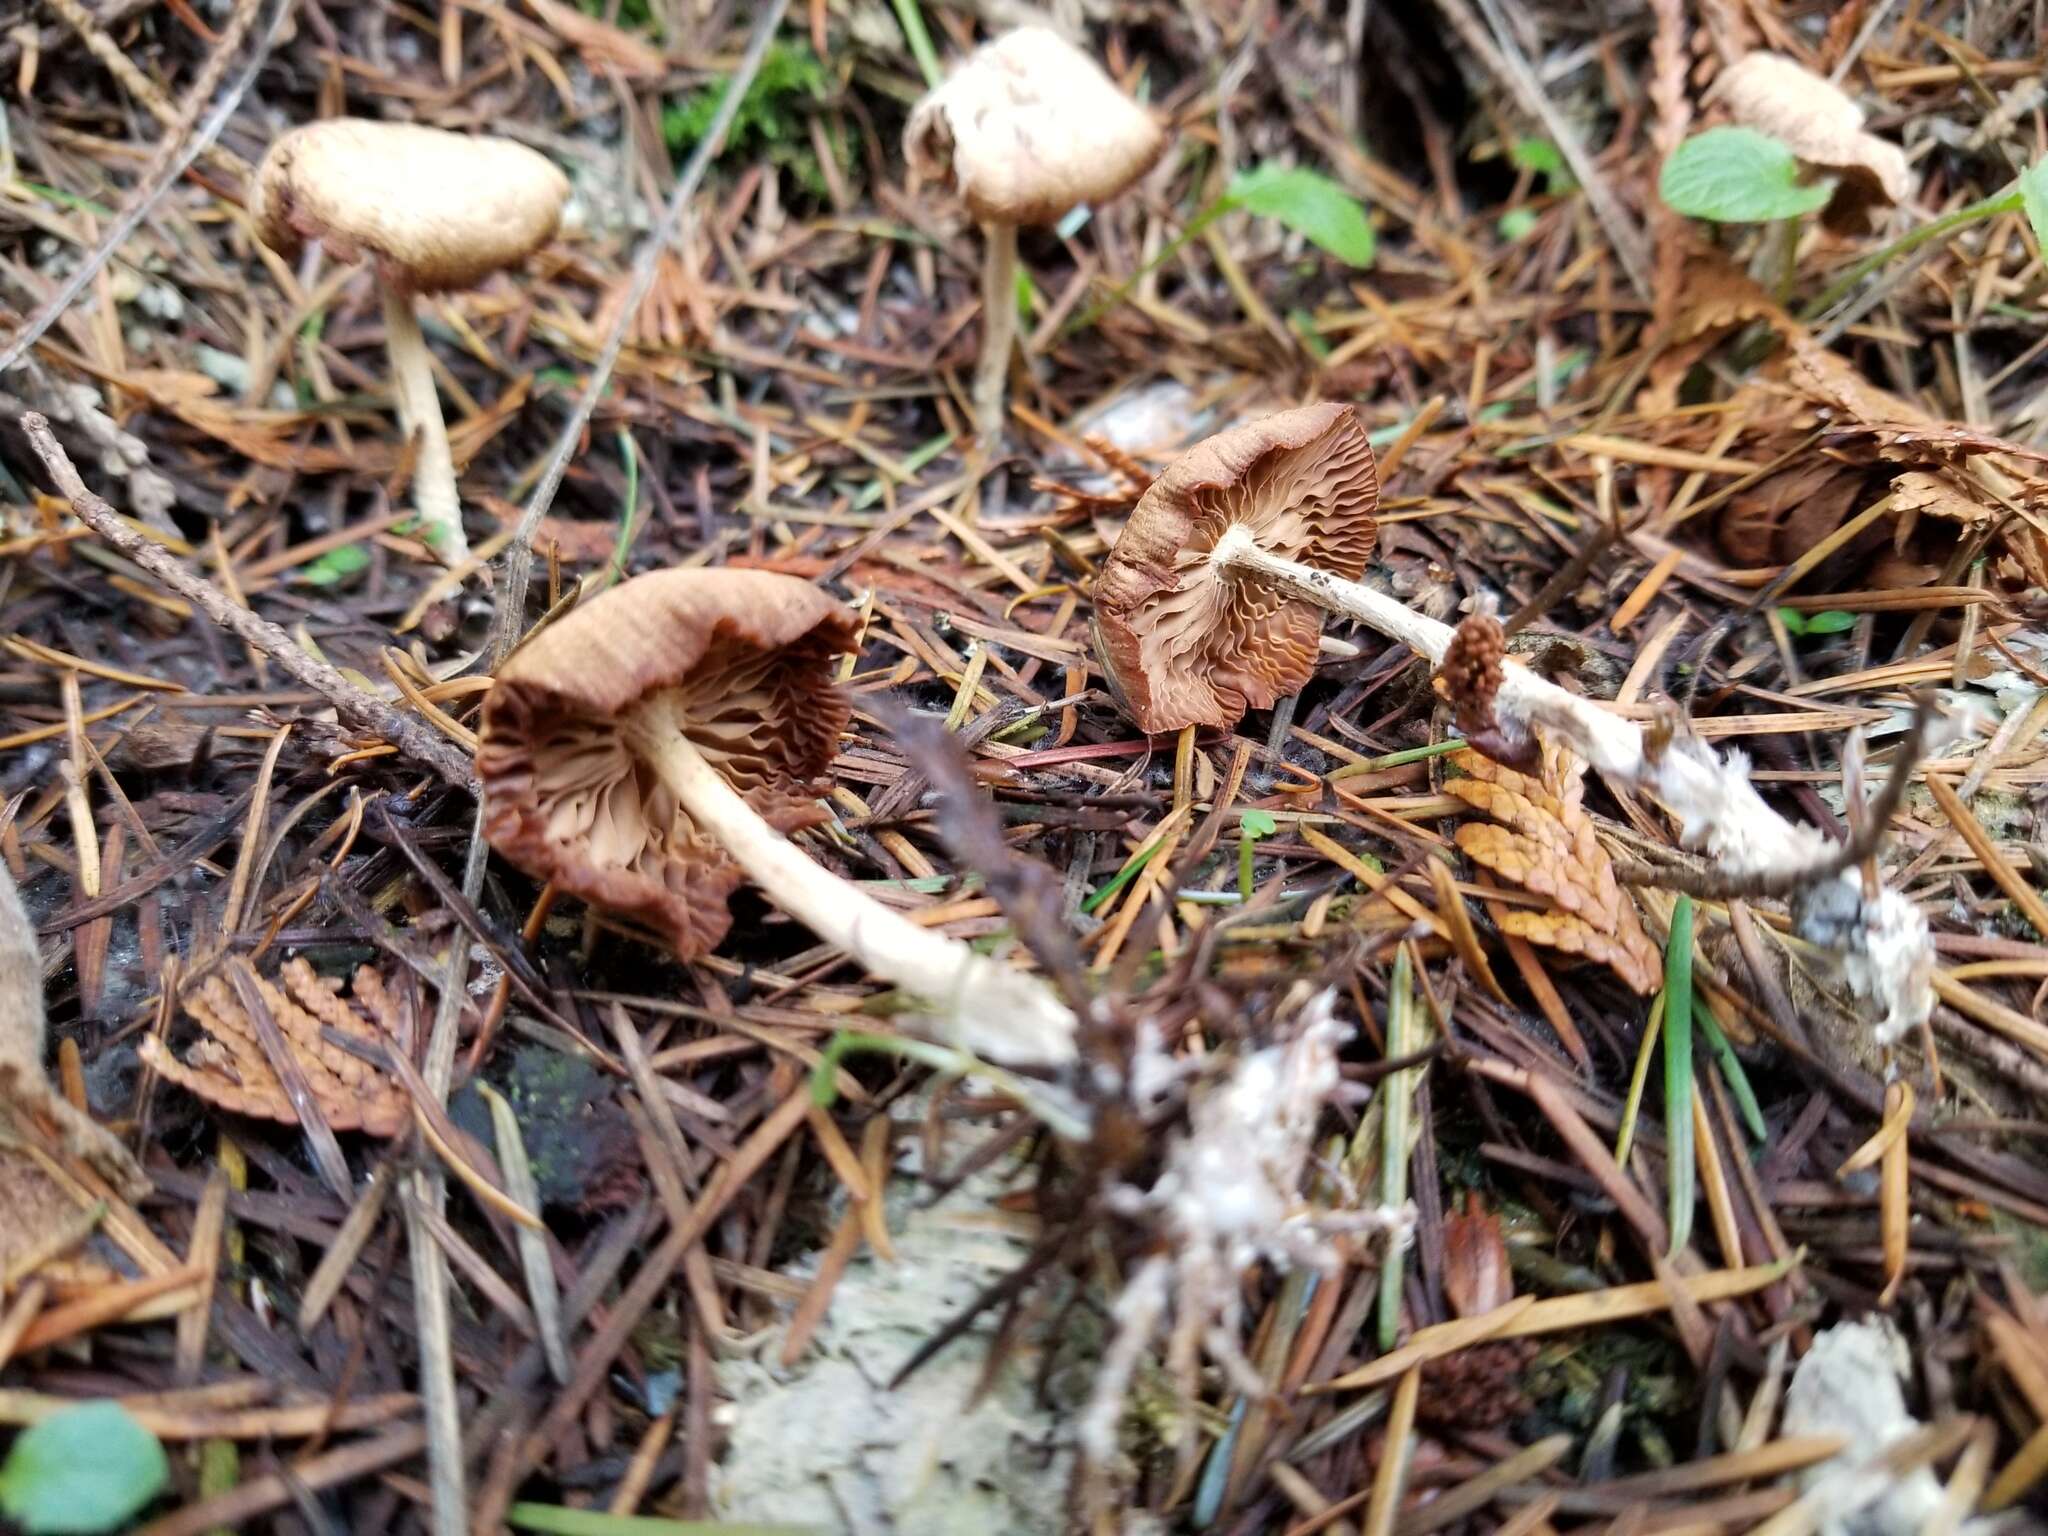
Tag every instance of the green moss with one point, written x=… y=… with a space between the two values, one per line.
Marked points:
x=770 y=119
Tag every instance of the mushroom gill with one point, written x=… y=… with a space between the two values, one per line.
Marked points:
x=569 y=795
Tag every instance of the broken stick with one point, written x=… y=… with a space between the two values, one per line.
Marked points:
x=354 y=705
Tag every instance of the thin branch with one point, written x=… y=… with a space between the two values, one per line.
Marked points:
x=366 y=711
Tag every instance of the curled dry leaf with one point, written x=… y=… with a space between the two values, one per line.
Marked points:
x=1477 y=1387
x=228 y=1067
x=1477 y=1278
x=1543 y=840
x=1820 y=124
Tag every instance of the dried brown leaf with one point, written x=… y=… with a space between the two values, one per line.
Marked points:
x=1542 y=839
x=227 y=1067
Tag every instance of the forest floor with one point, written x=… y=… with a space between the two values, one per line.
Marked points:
x=555 y=1230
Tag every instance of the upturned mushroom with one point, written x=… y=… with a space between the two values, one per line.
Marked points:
x=1205 y=572
x=1821 y=125
x=1183 y=636
x=1027 y=128
x=433 y=211
x=651 y=749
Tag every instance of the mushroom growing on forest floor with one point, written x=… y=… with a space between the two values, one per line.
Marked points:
x=433 y=210
x=1821 y=125
x=1026 y=129
x=648 y=752
x=1182 y=641
x=1195 y=619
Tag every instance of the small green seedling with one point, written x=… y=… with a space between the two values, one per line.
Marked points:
x=1251 y=826
x=81 y=1471
x=1831 y=621
x=1305 y=201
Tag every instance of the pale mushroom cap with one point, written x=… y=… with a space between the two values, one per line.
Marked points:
x=1818 y=122
x=1028 y=127
x=434 y=209
x=741 y=657
x=1181 y=642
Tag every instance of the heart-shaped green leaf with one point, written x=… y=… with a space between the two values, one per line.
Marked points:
x=1738 y=176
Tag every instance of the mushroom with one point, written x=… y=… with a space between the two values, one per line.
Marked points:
x=1026 y=129
x=434 y=210
x=1196 y=622
x=1822 y=126
x=648 y=752
x=1187 y=638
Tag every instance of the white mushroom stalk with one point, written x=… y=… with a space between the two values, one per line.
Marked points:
x=1888 y=954
x=434 y=493
x=981 y=1005
x=999 y=330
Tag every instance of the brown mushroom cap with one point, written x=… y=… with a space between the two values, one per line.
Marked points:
x=435 y=209
x=742 y=655
x=1029 y=127
x=1820 y=124
x=1183 y=643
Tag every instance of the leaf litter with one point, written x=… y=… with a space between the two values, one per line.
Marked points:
x=1752 y=487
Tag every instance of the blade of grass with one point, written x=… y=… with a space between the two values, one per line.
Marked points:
x=629 y=527
x=911 y=19
x=1394 y=1155
x=1731 y=1069
x=1678 y=1071
x=1638 y=1081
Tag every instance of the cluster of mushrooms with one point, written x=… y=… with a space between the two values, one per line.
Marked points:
x=654 y=747
x=658 y=745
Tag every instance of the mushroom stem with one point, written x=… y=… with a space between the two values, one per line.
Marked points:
x=1712 y=797
x=419 y=411
x=998 y=331
x=980 y=1005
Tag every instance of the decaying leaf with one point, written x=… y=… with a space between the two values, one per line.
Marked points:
x=228 y=1067
x=1543 y=840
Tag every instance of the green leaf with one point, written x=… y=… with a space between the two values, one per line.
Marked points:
x=2034 y=197
x=1678 y=1146
x=80 y=1471
x=1517 y=224
x=1737 y=176
x=1536 y=155
x=1794 y=621
x=1311 y=205
x=1257 y=824
x=1831 y=622
x=334 y=567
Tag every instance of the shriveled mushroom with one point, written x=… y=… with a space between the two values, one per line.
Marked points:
x=1182 y=639
x=1172 y=623
x=648 y=752
x=434 y=210
x=1817 y=121
x=1026 y=129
